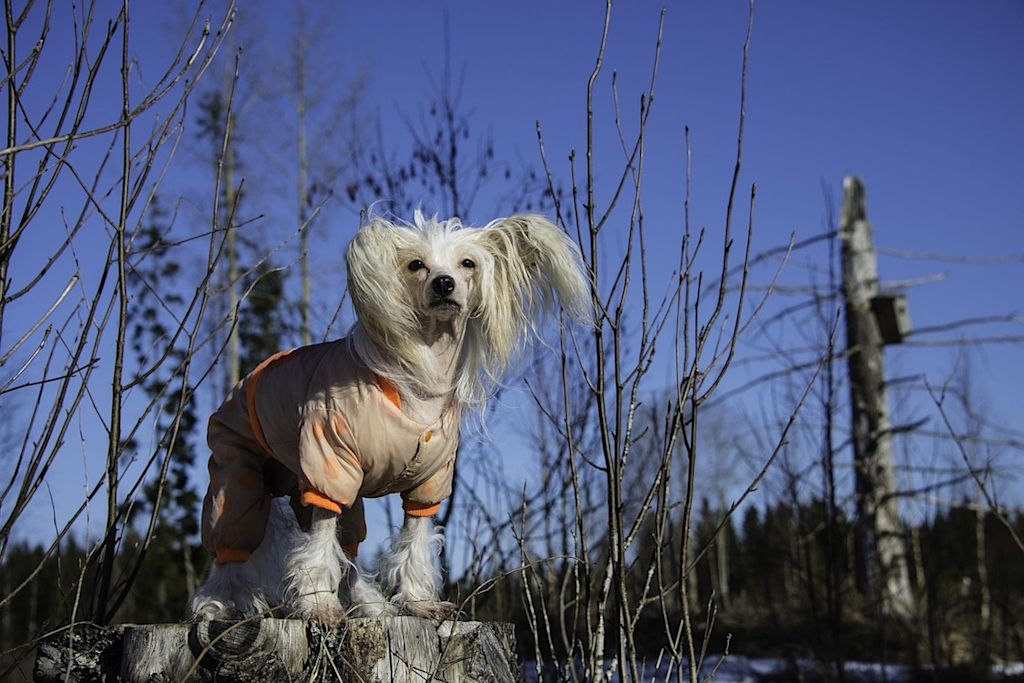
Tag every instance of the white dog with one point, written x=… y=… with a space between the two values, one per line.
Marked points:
x=442 y=311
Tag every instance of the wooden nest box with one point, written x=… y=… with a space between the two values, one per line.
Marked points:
x=892 y=315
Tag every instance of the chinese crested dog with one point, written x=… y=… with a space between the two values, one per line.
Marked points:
x=442 y=311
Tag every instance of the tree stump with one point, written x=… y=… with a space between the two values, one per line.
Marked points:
x=368 y=650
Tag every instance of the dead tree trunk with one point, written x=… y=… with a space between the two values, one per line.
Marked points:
x=984 y=590
x=230 y=206
x=881 y=564
x=303 y=161
x=401 y=649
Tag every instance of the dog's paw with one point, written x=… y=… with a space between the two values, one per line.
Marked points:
x=430 y=609
x=212 y=609
x=326 y=615
x=372 y=610
x=325 y=610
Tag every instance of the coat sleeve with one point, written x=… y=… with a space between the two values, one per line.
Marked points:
x=331 y=472
x=425 y=499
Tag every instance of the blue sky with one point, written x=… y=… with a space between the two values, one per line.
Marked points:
x=921 y=99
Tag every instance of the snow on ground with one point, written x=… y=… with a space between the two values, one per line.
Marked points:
x=740 y=669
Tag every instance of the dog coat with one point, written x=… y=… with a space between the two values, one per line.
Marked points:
x=316 y=424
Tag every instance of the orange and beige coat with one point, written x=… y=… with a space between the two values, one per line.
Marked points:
x=315 y=424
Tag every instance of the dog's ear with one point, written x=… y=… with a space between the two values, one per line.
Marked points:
x=539 y=263
x=534 y=264
x=374 y=282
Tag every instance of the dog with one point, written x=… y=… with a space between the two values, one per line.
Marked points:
x=442 y=312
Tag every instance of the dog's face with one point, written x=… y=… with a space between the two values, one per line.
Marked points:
x=442 y=273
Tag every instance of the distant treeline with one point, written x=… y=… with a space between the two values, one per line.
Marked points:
x=781 y=583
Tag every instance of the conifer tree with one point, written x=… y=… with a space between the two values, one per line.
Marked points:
x=165 y=515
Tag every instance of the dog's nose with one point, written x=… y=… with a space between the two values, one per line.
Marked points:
x=443 y=285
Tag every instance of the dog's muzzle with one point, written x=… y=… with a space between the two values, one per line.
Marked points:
x=441 y=287
x=445 y=304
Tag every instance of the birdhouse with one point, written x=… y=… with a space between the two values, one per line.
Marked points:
x=892 y=316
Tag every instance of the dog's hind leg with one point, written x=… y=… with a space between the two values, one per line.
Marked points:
x=313 y=571
x=252 y=587
x=410 y=570
x=228 y=594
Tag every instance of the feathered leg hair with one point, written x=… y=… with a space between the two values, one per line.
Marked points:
x=314 y=570
x=410 y=570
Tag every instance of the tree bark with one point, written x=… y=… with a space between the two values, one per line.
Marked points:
x=230 y=201
x=880 y=554
x=303 y=162
x=984 y=591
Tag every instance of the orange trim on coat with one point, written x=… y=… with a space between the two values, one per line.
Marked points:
x=390 y=391
x=250 y=398
x=225 y=555
x=420 y=509
x=319 y=500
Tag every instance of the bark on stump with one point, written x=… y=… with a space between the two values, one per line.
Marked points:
x=371 y=650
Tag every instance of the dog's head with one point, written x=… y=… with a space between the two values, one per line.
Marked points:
x=441 y=268
x=489 y=285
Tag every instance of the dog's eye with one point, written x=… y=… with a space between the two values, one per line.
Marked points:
x=468 y=263
x=415 y=265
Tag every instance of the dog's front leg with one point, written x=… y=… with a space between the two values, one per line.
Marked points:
x=411 y=572
x=313 y=571
x=364 y=597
